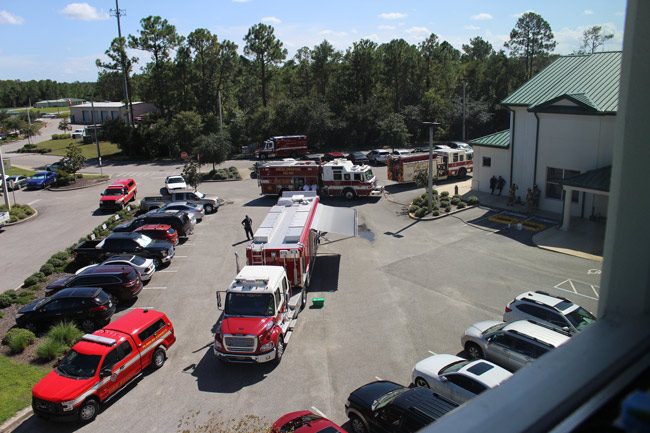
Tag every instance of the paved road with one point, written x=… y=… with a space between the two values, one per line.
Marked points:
x=401 y=289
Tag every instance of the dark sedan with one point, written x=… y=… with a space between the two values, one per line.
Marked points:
x=389 y=407
x=120 y=281
x=359 y=158
x=90 y=307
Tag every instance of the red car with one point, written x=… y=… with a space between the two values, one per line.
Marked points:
x=304 y=421
x=118 y=194
x=103 y=363
x=162 y=232
x=331 y=156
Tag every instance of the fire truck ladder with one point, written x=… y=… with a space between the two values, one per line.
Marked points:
x=257 y=257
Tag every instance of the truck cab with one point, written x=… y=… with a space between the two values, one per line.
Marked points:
x=103 y=363
x=118 y=194
x=340 y=177
x=258 y=316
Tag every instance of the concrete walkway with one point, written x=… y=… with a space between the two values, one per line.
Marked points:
x=584 y=239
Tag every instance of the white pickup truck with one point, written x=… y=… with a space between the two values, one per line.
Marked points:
x=4 y=218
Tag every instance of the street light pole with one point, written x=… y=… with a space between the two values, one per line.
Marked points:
x=92 y=117
x=5 y=190
x=432 y=127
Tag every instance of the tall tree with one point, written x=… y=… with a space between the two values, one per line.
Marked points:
x=322 y=56
x=121 y=63
x=265 y=50
x=531 y=39
x=393 y=131
x=363 y=66
x=159 y=38
x=594 y=37
x=399 y=59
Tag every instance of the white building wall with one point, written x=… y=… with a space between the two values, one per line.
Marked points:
x=574 y=142
x=500 y=166
x=523 y=148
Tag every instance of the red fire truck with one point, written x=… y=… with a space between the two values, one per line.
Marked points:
x=339 y=177
x=285 y=146
x=446 y=163
x=262 y=303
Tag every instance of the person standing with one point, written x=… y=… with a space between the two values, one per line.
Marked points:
x=529 y=200
x=493 y=184
x=247 y=222
x=511 y=194
x=501 y=182
x=536 y=194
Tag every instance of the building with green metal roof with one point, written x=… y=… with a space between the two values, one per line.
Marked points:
x=561 y=126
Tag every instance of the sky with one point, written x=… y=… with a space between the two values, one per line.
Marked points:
x=60 y=40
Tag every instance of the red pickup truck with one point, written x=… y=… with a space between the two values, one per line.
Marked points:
x=103 y=363
x=118 y=194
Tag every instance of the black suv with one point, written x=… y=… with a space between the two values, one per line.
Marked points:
x=178 y=221
x=389 y=407
x=90 y=307
x=121 y=281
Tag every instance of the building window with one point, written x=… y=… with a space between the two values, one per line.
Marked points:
x=487 y=161
x=554 y=178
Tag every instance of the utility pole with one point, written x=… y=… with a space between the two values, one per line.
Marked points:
x=5 y=189
x=117 y=13
x=92 y=117
x=464 y=109
x=29 y=122
x=432 y=129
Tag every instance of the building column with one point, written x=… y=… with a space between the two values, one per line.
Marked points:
x=566 y=217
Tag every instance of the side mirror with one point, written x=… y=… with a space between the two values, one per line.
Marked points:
x=105 y=372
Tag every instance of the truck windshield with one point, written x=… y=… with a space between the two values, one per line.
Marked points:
x=78 y=365
x=143 y=240
x=249 y=304
x=369 y=175
x=199 y=194
x=112 y=191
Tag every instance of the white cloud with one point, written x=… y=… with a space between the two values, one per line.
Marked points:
x=417 y=33
x=521 y=13
x=483 y=16
x=471 y=27
x=271 y=20
x=392 y=15
x=372 y=37
x=385 y=27
x=7 y=17
x=497 y=40
x=328 y=32
x=570 y=39
x=588 y=12
x=83 y=12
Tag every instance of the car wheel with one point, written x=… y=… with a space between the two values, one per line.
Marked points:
x=88 y=410
x=279 y=351
x=159 y=357
x=421 y=382
x=473 y=351
x=357 y=424
x=349 y=194
x=87 y=325
x=208 y=208
x=157 y=263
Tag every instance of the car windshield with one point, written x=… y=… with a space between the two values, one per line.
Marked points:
x=112 y=191
x=78 y=365
x=295 y=424
x=143 y=240
x=39 y=176
x=494 y=328
x=137 y=260
x=249 y=304
x=176 y=180
x=454 y=366
x=369 y=175
x=387 y=398
x=199 y=194
x=580 y=318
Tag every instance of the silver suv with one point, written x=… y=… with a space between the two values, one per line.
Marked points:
x=554 y=311
x=511 y=345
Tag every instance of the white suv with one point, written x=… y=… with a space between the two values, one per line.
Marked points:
x=554 y=311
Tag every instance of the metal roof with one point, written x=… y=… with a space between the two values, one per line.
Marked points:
x=499 y=139
x=592 y=78
x=597 y=179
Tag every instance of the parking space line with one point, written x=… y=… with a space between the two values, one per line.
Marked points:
x=569 y=285
x=378 y=378
x=594 y=289
x=181 y=257
x=154 y=288
x=33 y=201
x=167 y=271
x=572 y=286
x=315 y=409
x=432 y=352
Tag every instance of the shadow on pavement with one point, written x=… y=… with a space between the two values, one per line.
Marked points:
x=218 y=377
x=263 y=201
x=398 y=234
x=325 y=277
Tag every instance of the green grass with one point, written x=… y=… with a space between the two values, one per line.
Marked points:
x=16 y=382
x=88 y=150
x=40 y=110
x=14 y=171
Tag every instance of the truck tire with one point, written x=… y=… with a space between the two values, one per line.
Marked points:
x=279 y=350
x=358 y=425
x=462 y=172
x=88 y=410
x=303 y=299
x=158 y=359
x=349 y=194
x=208 y=208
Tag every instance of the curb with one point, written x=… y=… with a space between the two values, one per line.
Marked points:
x=569 y=252
x=433 y=218
x=222 y=180
x=78 y=187
x=24 y=220
x=16 y=420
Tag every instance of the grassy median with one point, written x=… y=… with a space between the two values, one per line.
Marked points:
x=59 y=147
x=16 y=382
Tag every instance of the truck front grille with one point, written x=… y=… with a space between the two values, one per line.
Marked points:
x=243 y=344
x=45 y=406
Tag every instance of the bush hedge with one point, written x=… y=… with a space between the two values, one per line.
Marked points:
x=472 y=200
x=65 y=333
x=18 y=339
x=61 y=136
x=49 y=350
x=47 y=269
x=461 y=205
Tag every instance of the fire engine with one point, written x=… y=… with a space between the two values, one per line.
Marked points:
x=261 y=306
x=446 y=163
x=339 y=177
x=286 y=146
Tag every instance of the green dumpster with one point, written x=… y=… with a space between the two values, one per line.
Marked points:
x=318 y=302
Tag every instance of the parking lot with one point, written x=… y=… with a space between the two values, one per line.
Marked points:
x=399 y=291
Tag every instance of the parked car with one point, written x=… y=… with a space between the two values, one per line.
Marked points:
x=389 y=407
x=48 y=115
x=161 y=232
x=120 y=281
x=102 y=364
x=330 y=156
x=316 y=157
x=41 y=180
x=175 y=182
x=78 y=133
x=358 y=158
x=210 y=202
x=55 y=166
x=145 y=267
x=16 y=182
x=89 y=307
x=459 y=145
x=304 y=421
x=510 y=345
x=125 y=243
x=179 y=213
x=192 y=209
x=118 y=194
x=555 y=311
x=179 y=222
x=402 y=152
x=456 y=378
x=378 y=156
x=5 y=217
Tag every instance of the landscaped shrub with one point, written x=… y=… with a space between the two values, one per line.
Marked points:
x=47 y=269
x=50 y=350
x=455 y=201
x=30 y=281
x=5 y=300
x=420 y=212
x=61 y=255
x=61 y=136
x=435 y=212
x=444 y=194
x=65 y=333
x=444 y=203
x=57 y=264
x=461 y=205
x=448 y=209
x=18 y=339
x=24 y=297
x=413 y=208
x=472 y=200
